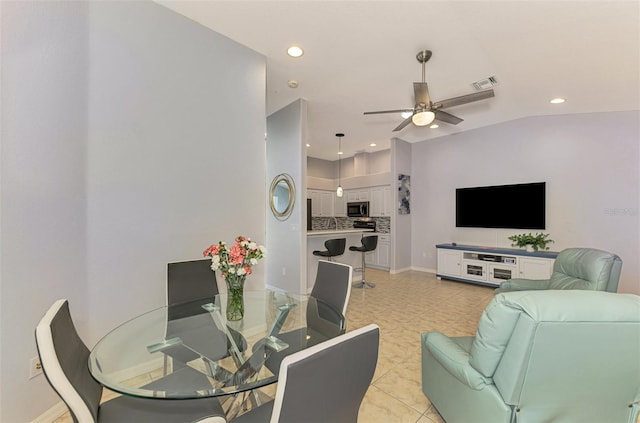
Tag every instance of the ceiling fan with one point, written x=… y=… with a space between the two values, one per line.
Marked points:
x=426 y=111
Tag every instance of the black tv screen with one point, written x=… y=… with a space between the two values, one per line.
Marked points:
x=520 y=206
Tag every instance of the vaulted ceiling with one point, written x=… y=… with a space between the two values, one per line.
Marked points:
x=361 y=56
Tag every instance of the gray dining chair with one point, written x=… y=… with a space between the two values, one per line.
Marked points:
x=64 y=358
x=333 y=284
x=332 y=287
x=323 y=383
x=190 y=280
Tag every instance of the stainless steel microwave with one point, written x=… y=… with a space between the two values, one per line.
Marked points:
x=358 y=209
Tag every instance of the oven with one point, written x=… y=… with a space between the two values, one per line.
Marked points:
x=365 y=224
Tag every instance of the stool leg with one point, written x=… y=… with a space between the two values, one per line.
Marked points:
x=363 y=283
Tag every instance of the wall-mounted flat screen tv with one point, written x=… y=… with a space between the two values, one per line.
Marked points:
x=520 y=206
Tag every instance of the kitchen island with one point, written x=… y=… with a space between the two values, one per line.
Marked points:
x=316 y=240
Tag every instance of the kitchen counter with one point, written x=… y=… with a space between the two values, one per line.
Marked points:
x=316 y=240
x=325 y=232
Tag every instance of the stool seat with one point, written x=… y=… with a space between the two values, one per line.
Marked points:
x=335 y=247
x=369 y=243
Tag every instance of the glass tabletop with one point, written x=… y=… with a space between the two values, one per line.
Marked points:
x=190 y=350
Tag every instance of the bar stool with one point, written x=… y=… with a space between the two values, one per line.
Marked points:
x=335 y=247
x=369 y=243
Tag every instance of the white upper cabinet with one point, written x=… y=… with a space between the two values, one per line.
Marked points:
x=321 y=202
x=380 y=201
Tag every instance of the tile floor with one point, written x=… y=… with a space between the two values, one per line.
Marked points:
x=404 y=306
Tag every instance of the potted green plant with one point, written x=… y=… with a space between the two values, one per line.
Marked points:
x=531 y=242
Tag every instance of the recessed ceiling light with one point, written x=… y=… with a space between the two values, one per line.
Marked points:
x=373 y=144
x=406 y=114
x=308 y=145
x=295 y=51
x=292 y=83
x=434 y=126
x=557 y=100
x=340 y=153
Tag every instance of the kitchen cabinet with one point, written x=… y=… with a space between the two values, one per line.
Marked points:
x=380 y=201
x=321 y=202
x=380 y=257
x=360 y=194
x=491 y=266
x=340 y=206
x=387 y=207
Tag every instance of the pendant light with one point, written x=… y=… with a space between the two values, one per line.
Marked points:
x=339 y=190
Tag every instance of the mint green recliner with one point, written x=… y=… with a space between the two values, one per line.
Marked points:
x=575 y=268
x=540 y=356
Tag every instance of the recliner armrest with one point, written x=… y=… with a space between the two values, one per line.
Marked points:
x=454 y=359
x=523 y=285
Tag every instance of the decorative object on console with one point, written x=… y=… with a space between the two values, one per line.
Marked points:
x=235 y=264
x=531 y=242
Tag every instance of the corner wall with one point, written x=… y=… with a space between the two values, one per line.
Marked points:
x=402 y=225
x=131 y=137
x=287 y=239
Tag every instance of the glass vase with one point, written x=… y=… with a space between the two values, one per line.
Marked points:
x=235 y=297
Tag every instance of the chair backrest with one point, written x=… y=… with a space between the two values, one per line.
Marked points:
x=562 y=355
x=64 y=359
x=370 y=242
x=190 y=280
x=333 y=284
x=586 y=268
x=336 y=246
x=327 y=382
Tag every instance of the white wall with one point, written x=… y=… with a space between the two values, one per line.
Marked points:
x=131 y=136
x=590 y=163
x=402 y=225
x=43 y=191
x=287 y=240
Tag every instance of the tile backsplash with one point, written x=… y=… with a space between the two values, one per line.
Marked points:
x=383 y=224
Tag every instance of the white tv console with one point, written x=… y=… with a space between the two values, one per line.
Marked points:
x=491 y=266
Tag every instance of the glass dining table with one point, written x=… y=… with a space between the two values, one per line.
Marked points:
x=190 y=350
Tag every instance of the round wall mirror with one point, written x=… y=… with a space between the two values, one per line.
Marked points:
x=282 y=196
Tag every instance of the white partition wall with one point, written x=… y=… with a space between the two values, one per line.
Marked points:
x=131 y=136
x=286 y=239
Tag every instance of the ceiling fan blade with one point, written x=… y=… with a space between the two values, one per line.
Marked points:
x=403 y=124
x=464 y=99
x=443 y=116
x=421 y=93
x=388 y=111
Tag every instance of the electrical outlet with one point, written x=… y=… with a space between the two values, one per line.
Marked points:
x=35 y=367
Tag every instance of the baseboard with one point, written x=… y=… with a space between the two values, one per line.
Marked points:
x=52 y=414
x=423 y=269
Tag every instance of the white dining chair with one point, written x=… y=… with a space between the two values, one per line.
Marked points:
x=323 y=383
x=64 y=358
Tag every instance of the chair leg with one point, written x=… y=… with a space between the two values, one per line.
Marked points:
x=363 y=283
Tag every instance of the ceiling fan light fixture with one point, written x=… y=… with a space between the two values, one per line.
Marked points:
x=423 y=118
